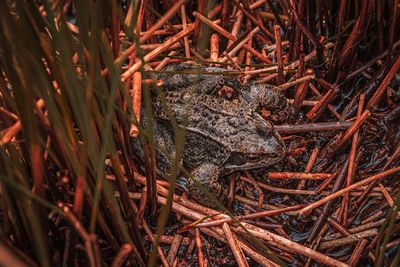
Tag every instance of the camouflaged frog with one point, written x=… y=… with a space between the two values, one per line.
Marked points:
x=221 y=136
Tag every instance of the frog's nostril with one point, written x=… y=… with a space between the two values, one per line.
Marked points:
x=252 y=157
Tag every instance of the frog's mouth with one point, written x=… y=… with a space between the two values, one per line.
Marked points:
x=241 y=161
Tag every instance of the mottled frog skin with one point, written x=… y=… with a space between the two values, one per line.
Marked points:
x=222 y=136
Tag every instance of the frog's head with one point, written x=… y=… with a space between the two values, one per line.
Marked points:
x=258 y=146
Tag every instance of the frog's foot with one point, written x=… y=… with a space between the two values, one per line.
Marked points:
x=265 y=98
x=204 y=186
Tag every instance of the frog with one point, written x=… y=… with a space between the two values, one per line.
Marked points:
x=221 y=136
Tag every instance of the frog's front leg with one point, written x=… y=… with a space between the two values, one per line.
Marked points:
x=205 y=177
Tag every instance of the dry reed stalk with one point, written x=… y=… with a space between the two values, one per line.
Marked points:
x=146 y=36
x=151 y=55
x=136 y=103
x=229 y=36
x=234 y=50
x=214 y=47
x=184 y=24
x=9 y=133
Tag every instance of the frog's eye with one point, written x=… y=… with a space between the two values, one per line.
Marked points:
x=253 y=157
x=237 y=159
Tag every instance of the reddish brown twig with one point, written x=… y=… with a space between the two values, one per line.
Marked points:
x=322 y=186
x=370 y=63
x=289 y=245
x=236 y=26
x=301 y=92
x=318 y=109
x=161 y=48
x=214 y=47
x=357 y=124
x=176 y=242
x=122 y=255
x=239 y=45
x=313 y=127
x=298 y=175
x=200 y=255
x=339 y=193
x=317 y=45
x=136 y=102
x=386 y=194
x=8 y=114
x=169 y=239
x=256 y=215
x=263 y=261
x=184 y=25
x=13 y=130
x=349 y=48
x=253 y=19
x=331 y=108
x=236 y=250
x=301 y=81
x=278 y=190
x=348 y=239
x=278 y=51
x=358 y=252
x=351 y=169
x=89 y=239
x=153 y=240
x=309 y=166
x=381 y=89
x=229 y=36
x=325 y=209
x=150 y=32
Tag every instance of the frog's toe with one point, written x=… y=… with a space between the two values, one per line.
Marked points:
x=183 y=183
x=204 y=186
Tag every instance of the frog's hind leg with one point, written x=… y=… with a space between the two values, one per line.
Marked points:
x=164 y=146
x=204 y=186
x=188 y=77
